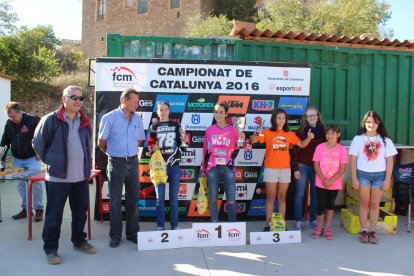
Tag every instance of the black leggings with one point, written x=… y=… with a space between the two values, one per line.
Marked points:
x=325 y=200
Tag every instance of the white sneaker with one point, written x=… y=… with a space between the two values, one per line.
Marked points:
x=299 y=226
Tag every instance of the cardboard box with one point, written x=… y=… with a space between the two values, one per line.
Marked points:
x=350 y=192
x=387 y=222
x=278 y=223
x=353 y=205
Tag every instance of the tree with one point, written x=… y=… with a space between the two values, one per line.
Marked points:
x=340 y=17
x=242 y=10
x=29 y=56
x=8 y=19
x=197 y=26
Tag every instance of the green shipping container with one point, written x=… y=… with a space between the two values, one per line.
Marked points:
x=346 y=82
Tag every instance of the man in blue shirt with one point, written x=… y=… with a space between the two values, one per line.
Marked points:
x=120 y=133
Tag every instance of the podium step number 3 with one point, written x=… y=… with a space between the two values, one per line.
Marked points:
x=275 y=237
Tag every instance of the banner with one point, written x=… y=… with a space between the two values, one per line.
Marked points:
x=192 y=88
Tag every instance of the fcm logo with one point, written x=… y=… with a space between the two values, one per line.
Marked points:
x=248 y=154
x=203 y=235
x=195 y=119
x=122 y=74
x=233 y=234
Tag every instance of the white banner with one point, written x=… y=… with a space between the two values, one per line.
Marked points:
x=202 y=78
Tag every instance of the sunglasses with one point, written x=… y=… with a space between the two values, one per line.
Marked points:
x=74 y=97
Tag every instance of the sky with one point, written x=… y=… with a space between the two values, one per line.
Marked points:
x=66 y=16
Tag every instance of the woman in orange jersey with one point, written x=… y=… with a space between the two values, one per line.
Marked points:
x=277 y=174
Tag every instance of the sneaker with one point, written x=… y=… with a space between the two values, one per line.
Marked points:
x=313 y=224
x=298 y=226
x=85 y=247
x=132 y=239
x=38 y=215
x=114 y=243
x=372 y=238
x=53 y=258
x=159 y=228
x=21 y=215
x=175 y=228
x=364 y=237
x=266 y=228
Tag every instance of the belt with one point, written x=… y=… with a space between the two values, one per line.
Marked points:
x=127 y=158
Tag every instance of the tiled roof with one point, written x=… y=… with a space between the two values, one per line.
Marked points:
x=7 y=77
x=244 y=31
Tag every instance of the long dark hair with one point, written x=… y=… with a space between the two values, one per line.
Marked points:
x=381 y=127
x=303 y=124
x=273 y=120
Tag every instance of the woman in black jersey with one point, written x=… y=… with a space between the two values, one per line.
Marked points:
x=165 y=134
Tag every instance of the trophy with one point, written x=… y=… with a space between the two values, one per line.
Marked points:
x=183 y=145
x=2 y=151
x=240 y=123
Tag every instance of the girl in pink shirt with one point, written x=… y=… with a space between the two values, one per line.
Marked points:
x=219 y=151
x=330 y=161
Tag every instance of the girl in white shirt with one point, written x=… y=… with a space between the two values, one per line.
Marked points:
x=371 y=155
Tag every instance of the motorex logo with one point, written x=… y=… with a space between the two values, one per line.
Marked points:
x=177 y=102
x=293 y=105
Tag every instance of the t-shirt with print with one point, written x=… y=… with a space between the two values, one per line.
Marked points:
x=371 y=152
x=219 y=146
x=330 y=161
x=277 y=147
x=167 y=137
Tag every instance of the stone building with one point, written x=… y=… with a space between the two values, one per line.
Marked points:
x=143 y=17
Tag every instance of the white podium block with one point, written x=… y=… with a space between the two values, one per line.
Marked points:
x=152 y=240
x=275 y=237
x=219 y=234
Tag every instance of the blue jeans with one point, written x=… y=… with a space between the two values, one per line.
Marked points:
x=121 y=171
x=227 y=176
x=174 y=174
x=306 y=173
x=30 y=164
x=371 y=179
x=57 y=193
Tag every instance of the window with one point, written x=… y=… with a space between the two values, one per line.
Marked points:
x=174 y=4
x=142 y=6
x=128 y=3
x=101 y=9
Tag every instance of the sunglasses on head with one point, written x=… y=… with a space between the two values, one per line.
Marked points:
x=74 y=97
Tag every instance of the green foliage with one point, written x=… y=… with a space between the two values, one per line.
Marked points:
x=197 y=26
x=340 y=17
x=29 y=56
x=242 y=10
x=8 y=18
x=72 y=61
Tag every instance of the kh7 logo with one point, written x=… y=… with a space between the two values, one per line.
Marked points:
x=187 y=174
x=119 y=75
x=263 y=105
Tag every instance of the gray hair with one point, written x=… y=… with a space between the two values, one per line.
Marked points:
x=68 y=90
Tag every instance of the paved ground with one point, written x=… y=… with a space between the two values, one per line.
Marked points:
x=343 y=256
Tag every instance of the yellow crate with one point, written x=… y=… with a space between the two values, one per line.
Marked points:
x=350 y=192
x=387 y=222
x=278 y=223
x=353 y=204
